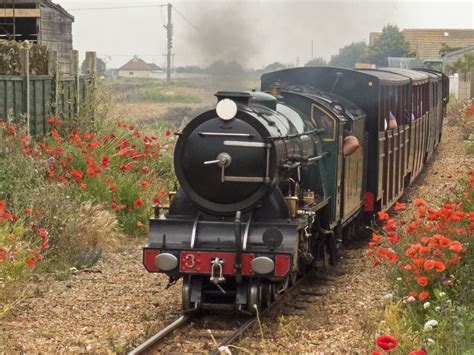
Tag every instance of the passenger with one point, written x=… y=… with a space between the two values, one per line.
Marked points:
x=392 y=121
x=408 y=117
x=351 y=143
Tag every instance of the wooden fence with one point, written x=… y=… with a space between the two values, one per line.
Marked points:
x=32 y=99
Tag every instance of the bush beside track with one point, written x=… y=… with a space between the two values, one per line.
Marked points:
x=73 y=194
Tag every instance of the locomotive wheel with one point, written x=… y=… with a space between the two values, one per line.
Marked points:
x=266 y=295
x=254 y=297
x=186 y=294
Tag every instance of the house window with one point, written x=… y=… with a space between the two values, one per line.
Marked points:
x=130 y=73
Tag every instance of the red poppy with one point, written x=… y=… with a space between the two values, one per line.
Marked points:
x=422 y=281
x=418 y=352
x=429 y=264
x=439 y=266
x=28 y=211
x=83 y=187
x=157 y=200
x=31 y=262
x=168 y=133
x=113 y=188
x=456 y=246
x=138 y=203
x=423 y=295
x=163 y=193
x=419 y=202
x=145 y=184
x=386 y=342
x=399 y=206
x=383 y=216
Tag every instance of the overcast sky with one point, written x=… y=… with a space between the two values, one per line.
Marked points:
x=255 y=33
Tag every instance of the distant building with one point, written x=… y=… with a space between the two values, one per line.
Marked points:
x=426 y=43
x=38 y=21
x=451 y=57
x=138 y=68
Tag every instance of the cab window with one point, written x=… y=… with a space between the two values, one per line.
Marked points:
x=323 y=119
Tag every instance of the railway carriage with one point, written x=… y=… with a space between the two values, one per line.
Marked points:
x=266 y=192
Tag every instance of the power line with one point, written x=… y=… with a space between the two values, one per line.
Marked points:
x=185 y=19
x=116 y=7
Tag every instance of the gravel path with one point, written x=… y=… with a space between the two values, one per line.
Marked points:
x=120 y=304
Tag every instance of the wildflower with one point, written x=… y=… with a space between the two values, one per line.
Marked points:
x=383 y=216
x=423 y=295
x=83 y=187
x=399 y=279
x=31 y=262
x=163 y=193
x=429 y=325
x=419 y=202
x=438 y=308
x=157 y=200
x=399 y=206
x=418 y=352
x=113 y=188
x=105 y=162
x=426 y=305
x=422 y=281
x=168 y=133
x=28 y=211
x=144 y=184
x=386 y=342
x=442 y=294
x=138 y=203
x=430 y=341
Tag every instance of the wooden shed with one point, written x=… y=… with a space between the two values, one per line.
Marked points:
x=39 y=21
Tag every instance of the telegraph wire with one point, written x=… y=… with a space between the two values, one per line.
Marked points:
x=185 y=19
x=116 y=7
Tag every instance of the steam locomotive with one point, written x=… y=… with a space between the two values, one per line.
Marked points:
x=266 y=192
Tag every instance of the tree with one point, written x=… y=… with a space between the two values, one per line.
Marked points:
x=100 y=66
x=221 y=68
x=316 y=62
x=391 y=43
x=463 y=65
x=348 y=55
x=275 y=66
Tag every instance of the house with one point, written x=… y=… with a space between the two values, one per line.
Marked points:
x=138 y=68
x=39 y=21
x=426 y=43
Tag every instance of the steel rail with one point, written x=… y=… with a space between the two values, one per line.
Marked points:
x=184 y=319
x=238 y=333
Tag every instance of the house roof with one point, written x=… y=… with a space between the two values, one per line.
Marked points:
x=139 y=64
x=459 y=51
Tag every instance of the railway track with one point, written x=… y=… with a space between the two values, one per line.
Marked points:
x=197 y=326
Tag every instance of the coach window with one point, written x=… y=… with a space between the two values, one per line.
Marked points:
x=323 y=119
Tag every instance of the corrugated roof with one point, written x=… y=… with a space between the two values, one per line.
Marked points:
x=416 y=76
x=386 y=77
x=459 y=51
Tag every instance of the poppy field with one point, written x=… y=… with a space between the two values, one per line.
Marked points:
x=427 y=251
x=69 y=196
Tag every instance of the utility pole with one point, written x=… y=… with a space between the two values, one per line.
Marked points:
x=312 y=47
x=169 y=31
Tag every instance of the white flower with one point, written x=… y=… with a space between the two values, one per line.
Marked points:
x=387 y=298
x=224 y=350
x=410 y=299
x=429 y=325
x=426 y=305
x=437 y=309
x=399 y=279
x=430 y=341
x=442 y=294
